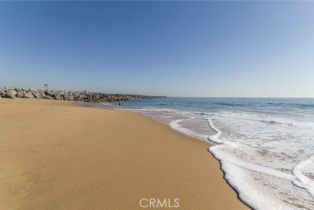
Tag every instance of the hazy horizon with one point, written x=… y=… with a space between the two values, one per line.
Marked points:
x=185 y=49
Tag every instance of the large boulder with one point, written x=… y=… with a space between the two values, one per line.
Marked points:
x=36 y=94
x=20 y=93
x=69 y=96
x=49 y=93
x=28 y=95
x=2 y=92
x=59 y=96
x=9 y=94
x=12 y=91
x=47 y=97
x=83 y=97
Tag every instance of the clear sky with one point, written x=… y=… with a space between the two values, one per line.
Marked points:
x=161 y=48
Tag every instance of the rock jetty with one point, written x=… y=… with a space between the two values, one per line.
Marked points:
x=83 y=96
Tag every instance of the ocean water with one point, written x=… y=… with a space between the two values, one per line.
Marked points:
x=265 y=145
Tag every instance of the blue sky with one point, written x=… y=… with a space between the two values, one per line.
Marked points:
x=161 y=48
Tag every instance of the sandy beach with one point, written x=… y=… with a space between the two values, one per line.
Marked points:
x=56 y=155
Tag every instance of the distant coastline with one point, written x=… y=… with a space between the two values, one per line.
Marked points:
x=83 y=96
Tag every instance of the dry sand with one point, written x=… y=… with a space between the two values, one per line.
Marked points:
x=54 y=155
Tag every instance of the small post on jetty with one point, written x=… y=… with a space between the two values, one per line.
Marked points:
x=46 y=87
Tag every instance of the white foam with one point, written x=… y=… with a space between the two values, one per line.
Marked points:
x=224 y=153
x=275 y=191
x=256 y=197
x=175 y=125
x=303 y=180
x=215 y=137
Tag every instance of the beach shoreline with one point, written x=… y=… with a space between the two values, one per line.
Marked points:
x=58 y=155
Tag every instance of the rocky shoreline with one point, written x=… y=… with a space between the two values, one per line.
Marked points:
x=83 y=96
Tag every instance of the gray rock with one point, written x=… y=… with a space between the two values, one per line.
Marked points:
x=85 y=96
x=59 y=96
x=8 y=95
x=11 y=92
x=47 y=97
x=20 y=93
x=82 y=97
x=36 y=94
x=28 y=95
x=69 y=96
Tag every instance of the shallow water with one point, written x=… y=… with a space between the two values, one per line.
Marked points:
x=265 y=145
